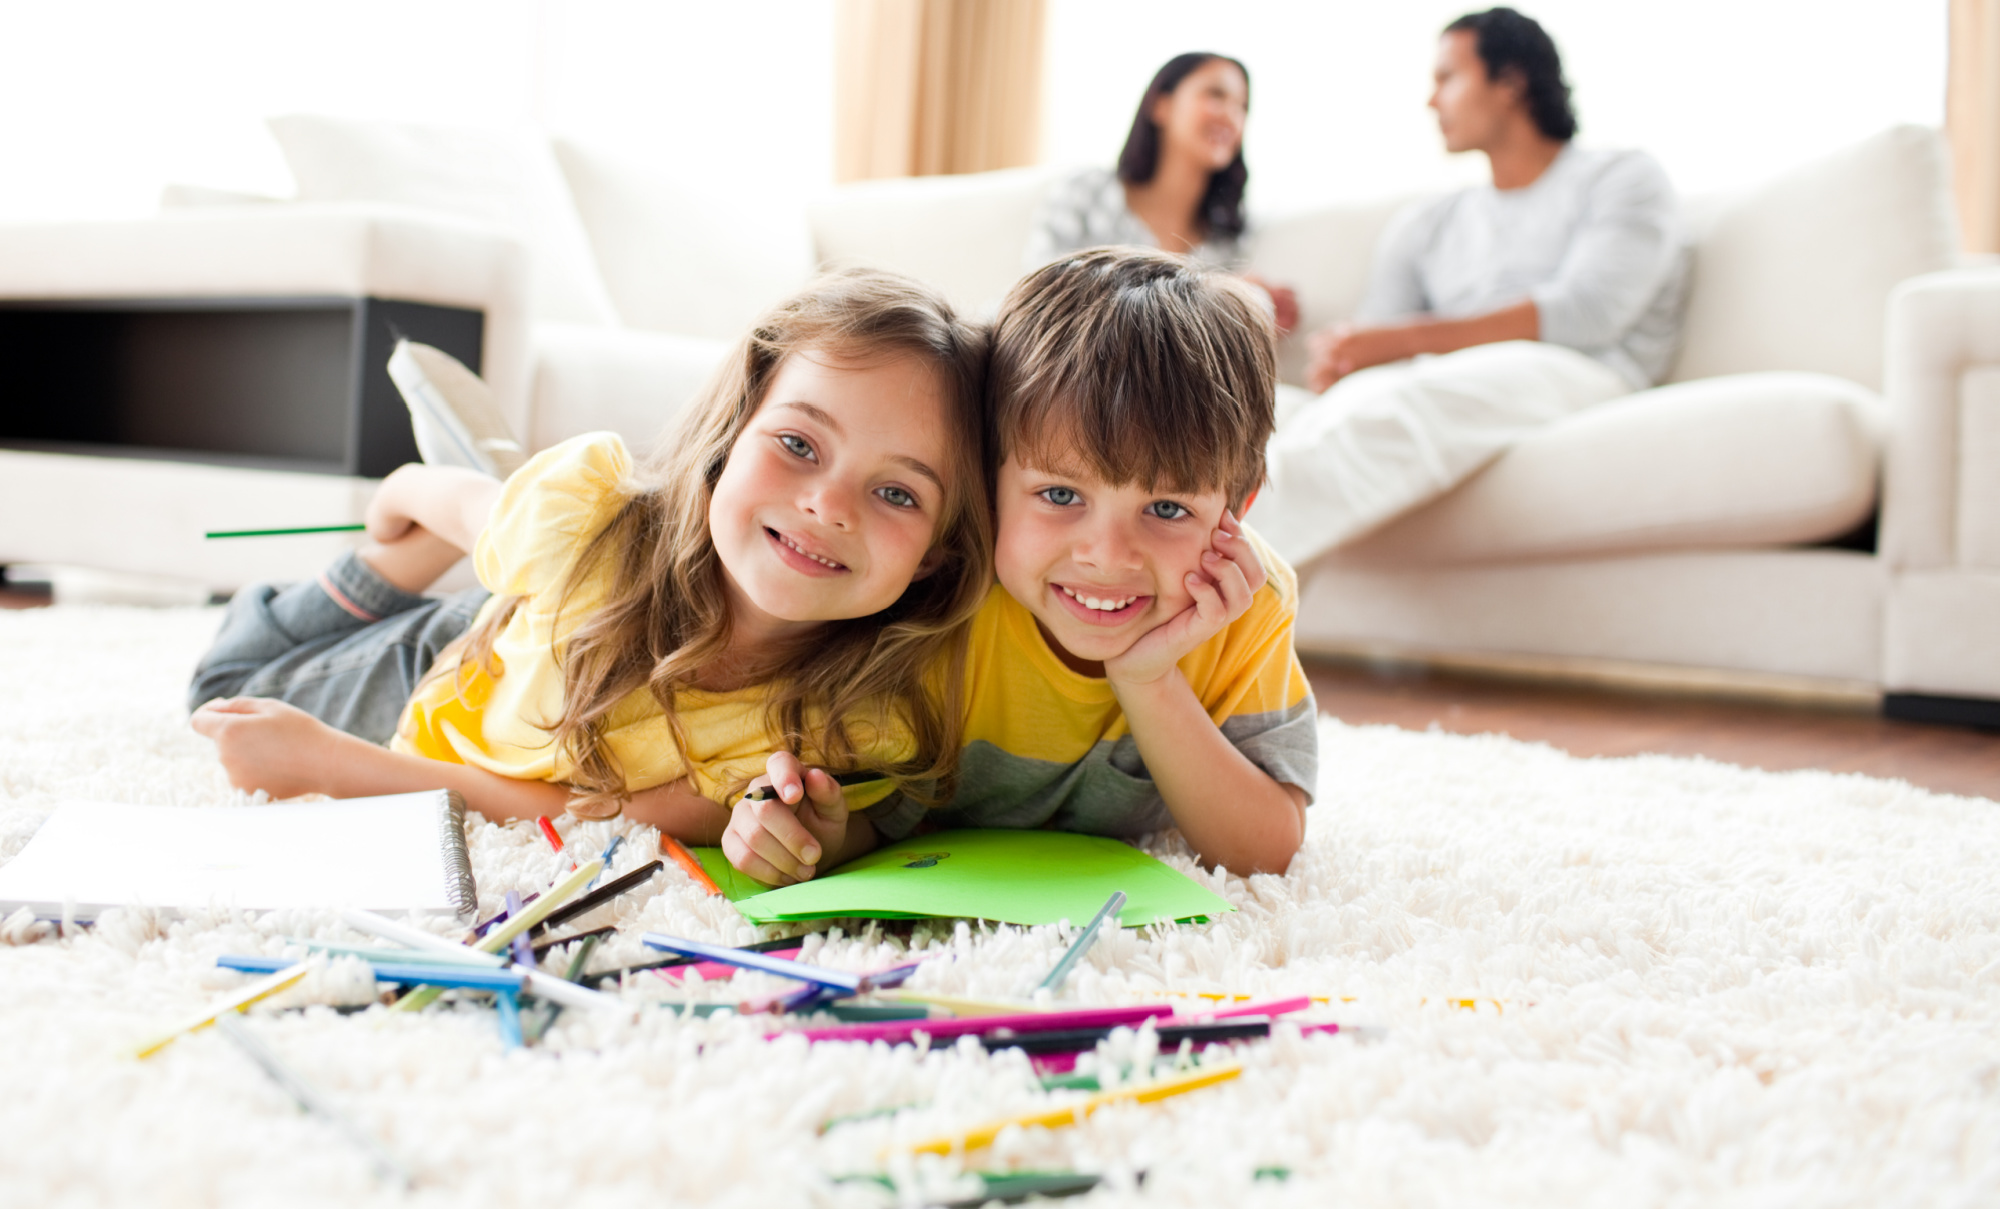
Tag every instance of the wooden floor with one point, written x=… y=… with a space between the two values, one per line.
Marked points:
x=1597 y=721
x=1588 y=720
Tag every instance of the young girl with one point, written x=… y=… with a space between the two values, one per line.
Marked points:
x=813 y=539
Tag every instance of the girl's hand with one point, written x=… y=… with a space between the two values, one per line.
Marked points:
x=269 y=745
x=1230 y=575
x=782 y=840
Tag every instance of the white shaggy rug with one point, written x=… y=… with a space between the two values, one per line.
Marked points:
x=1714 y=987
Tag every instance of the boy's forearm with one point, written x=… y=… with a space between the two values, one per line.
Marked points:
x=1231 y=812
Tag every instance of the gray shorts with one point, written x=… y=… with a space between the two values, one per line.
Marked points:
x=348 y=647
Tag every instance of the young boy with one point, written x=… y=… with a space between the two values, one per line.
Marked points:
x=1134 y=668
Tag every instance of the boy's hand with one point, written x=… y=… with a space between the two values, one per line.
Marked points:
x=1230 y=575
x=782 y=840
x=269 y=745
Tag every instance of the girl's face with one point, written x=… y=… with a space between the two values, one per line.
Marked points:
x=1203 y=116
x=833 y=495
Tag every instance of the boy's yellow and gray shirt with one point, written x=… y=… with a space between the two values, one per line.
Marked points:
x=1048 y=747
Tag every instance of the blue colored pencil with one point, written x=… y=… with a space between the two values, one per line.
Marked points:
x=510 y=1019
x=406 y=973
x=1084 y=940
x=838 y=980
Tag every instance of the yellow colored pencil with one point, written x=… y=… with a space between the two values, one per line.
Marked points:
x=1071 y=1114
x=496 y=940
x=260 y=989
x=959 y=1005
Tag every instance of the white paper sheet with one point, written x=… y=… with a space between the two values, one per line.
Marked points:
x=391 y=854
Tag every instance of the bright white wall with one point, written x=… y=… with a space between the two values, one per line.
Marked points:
x=102 y=102
x=1723 y=91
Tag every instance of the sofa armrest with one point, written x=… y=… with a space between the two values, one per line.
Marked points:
x=1941 y=480
x=290 y=250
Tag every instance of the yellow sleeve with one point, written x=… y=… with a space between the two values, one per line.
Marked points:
x=547 y=512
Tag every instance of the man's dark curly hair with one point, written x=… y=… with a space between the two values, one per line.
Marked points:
x=1510 y=42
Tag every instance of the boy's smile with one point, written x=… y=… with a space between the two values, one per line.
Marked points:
x=1098 y=564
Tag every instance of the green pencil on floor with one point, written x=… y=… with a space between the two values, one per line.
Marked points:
x=214 y=533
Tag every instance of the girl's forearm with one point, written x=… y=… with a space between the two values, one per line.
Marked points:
x=1231 y=812
x=357 y=768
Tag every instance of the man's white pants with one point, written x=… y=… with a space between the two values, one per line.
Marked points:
x=1386 y=439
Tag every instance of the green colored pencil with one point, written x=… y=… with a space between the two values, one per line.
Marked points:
x=284 y=532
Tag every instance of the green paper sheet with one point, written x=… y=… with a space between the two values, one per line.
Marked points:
x=1016 y=877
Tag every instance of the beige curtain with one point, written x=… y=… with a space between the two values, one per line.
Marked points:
x=924 y=87
x=1972 y=118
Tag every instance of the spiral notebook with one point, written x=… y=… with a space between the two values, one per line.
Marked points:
x=403 y=852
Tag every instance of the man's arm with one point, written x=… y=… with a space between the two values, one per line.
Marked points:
x=1342 y=350
x=1232 y=812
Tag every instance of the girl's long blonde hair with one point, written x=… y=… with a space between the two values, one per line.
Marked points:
x=664 y=616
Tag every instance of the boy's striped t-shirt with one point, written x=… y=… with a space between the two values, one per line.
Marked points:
x=1046 y=746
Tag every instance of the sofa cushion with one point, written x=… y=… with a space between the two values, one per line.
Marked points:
x=507 y=178
x=1796 y=275
x=606 y=379
x=965 y=234
x=677 y=258
x=1740 y=461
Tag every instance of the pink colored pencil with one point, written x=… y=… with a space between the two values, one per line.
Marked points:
x=894 y=1031
x=1272 y=1008
x=713 y=971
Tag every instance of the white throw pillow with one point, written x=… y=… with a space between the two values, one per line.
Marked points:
x=1796 y=275
x=508 y=178
x=677 y=258
x=964 y=234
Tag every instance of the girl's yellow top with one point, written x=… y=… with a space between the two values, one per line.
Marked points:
x=547 y=513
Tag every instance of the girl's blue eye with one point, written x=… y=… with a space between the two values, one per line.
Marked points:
x=899 y=497
x=1061 y=497
x=1167 y=510
x=796 y=445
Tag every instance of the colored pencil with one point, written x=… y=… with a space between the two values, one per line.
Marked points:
x=603 y=894
x=764 y=793
x=1084 y=940
x=1071 y=1114
x=963 y=1005
x=504 y=933
x=543 y=946
x=839 y=980
x=369 y=953
x=509 y=1005
x=310 y=1099
x=213 y=533
x=417 y=938
x=605 y=856
x=243 y=998
x=685 y=859
x=1198 y=1032
x=894 y=1031
x=410 y=973
x=783 y=944
x=1272 y=1007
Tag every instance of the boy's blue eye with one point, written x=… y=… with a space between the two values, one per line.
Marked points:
x=1061 y=497
x=899 y=497
x=1167 y=510
x=796 y=445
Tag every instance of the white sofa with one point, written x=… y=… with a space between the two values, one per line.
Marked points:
x=1832 y=340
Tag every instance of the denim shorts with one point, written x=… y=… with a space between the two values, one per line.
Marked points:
x=348 y=647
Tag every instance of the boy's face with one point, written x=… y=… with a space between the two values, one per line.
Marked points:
x=1098 y=565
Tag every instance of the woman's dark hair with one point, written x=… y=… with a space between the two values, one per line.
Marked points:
x=1508 y=42
x=1222 y=206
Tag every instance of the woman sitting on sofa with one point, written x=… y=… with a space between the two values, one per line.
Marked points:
x=1179 y=181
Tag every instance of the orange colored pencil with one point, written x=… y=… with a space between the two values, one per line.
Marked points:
x=685 y=859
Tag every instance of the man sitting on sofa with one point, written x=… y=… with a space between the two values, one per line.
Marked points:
x=1491 y=311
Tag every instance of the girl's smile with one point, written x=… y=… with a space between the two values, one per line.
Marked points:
x=829 y=503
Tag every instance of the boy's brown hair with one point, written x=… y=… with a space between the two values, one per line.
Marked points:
x=1139 y=367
